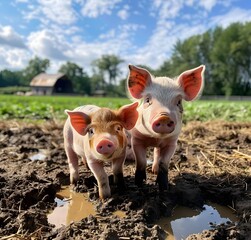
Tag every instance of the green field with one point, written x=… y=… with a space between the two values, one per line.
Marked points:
x=49 y=107
x=52 y=107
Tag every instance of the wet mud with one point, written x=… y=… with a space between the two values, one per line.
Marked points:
x=212 y=163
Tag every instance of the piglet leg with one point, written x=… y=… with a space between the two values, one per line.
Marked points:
x=117 y=168
x=73 y=164
x=140 y=155
x=97 y=169
x=85 y=162
x=162 y=178
x=162 y=158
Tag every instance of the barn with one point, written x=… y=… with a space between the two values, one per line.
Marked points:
x=51 y=84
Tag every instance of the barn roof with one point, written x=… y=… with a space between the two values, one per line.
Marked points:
x=46 y=80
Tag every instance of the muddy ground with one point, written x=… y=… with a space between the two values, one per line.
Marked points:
x=212 y=162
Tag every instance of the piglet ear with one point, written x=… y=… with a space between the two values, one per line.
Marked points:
x=79 y=121
x=137 y=81
x=192 y=82
x=128 y=115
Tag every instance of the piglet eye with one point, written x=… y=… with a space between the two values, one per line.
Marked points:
x=91 y=131
x=148 y=100
x=118 y=128
x=179 y=105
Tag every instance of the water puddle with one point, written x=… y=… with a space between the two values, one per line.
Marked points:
x=72 y=207
x=119 y=213
x=186 y=221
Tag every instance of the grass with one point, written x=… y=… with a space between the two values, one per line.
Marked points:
x=214 y=109
x=52 y=107
x=49 y=107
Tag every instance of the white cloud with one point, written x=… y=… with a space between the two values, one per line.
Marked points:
x=110 y=34
x=234 y=15
x=160 y=45
x=124 y=13
x=94 y=8
x=14 y=58
x=116 y=41
x=9 y=37
x=156 y=49
x=22 y=1
x=208 y=4
x=57 y=11
x=126 y=31
x=171 y=9
x=167 y=9
x=63 y=30
x=52 y=44
x=190 y=2
x=123 y=33
x=47 y=44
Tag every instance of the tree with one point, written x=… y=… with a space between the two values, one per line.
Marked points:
x=241 y=51
x=206 y=45
x=10 y=78
x=226 y=54
x=80 y=79
x=35 y=67
x=149 y=69
x=109 y=64
x=97 y=82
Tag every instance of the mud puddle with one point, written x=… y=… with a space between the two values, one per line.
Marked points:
x=72 y=207
x=186 y=221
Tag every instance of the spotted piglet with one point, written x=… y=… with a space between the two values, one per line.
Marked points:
x=98 y=136
x=160 y=116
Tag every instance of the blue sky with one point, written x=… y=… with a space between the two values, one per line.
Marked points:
x=139 y=32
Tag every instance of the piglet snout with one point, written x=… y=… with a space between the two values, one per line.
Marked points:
x=163 y=124
x=105 y=147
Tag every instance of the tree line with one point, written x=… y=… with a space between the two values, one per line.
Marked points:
x=225 y=52
x=105 y=73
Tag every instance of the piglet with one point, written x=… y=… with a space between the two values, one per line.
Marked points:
x=98 y=136
x=160 y=116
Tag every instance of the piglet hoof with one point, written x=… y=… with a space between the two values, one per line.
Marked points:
x=119 y=181
x=104 y=192
x=140 y=176
x=162 y=180
x=74 y=184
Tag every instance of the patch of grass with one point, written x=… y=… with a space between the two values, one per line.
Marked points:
x=49 y=107
x=52 y=107
x=222 y=110
x=14 y=89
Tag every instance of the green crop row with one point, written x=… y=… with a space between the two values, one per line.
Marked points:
x=49 y=107
x=52 y=107
x=222 y=110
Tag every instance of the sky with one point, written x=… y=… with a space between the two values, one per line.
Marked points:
x=141 y=32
